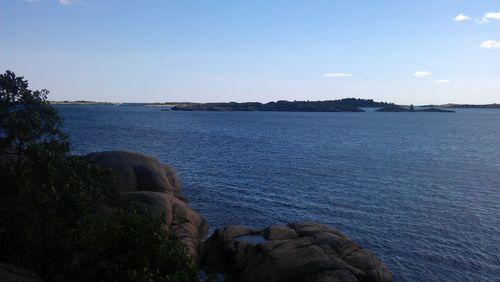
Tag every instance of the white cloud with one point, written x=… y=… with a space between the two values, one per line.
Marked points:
x=329 y=74
x=66 y=2
x=442 y=81
x=421 y=74
x=462 y=18
x=488 y=44
x=490 y=16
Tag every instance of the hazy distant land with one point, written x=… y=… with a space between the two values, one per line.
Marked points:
x=82 y=102
x=465 y=106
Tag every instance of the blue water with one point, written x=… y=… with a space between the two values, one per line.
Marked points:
x=420 y=189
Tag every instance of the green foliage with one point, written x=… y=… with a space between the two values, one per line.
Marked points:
x=129 y=251
x=43 y=207
x=59 y=215
x=26 y=117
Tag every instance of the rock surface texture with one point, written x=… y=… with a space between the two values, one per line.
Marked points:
x=302 y=251
x=12 y=273
x=156 y=187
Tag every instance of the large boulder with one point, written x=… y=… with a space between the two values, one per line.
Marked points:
x=303 y=251
x=156 y=187
x=137 y=172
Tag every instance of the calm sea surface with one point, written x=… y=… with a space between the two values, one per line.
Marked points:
x=420 y=189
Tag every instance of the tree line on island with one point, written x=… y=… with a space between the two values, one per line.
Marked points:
x=342 y=105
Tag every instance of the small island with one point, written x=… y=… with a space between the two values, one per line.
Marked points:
x=401 y=109
x=343 y=105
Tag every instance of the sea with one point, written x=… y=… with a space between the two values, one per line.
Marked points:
x=422 y=190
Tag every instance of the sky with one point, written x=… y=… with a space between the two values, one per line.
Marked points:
x=402 y=51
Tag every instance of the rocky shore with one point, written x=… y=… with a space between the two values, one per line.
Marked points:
x=299 y=251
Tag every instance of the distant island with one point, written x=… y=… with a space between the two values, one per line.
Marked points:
x=399 y=109
x=81 y=102
x=343 y=105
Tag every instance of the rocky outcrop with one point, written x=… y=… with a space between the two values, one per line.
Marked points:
x=155 y=186
x=302 y=251
x=12 y=273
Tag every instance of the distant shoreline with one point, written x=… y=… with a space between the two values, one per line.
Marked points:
x=342 y=105
x=82 y=102
x=467 y=106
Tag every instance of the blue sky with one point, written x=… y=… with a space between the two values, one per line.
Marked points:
x=426 y=51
